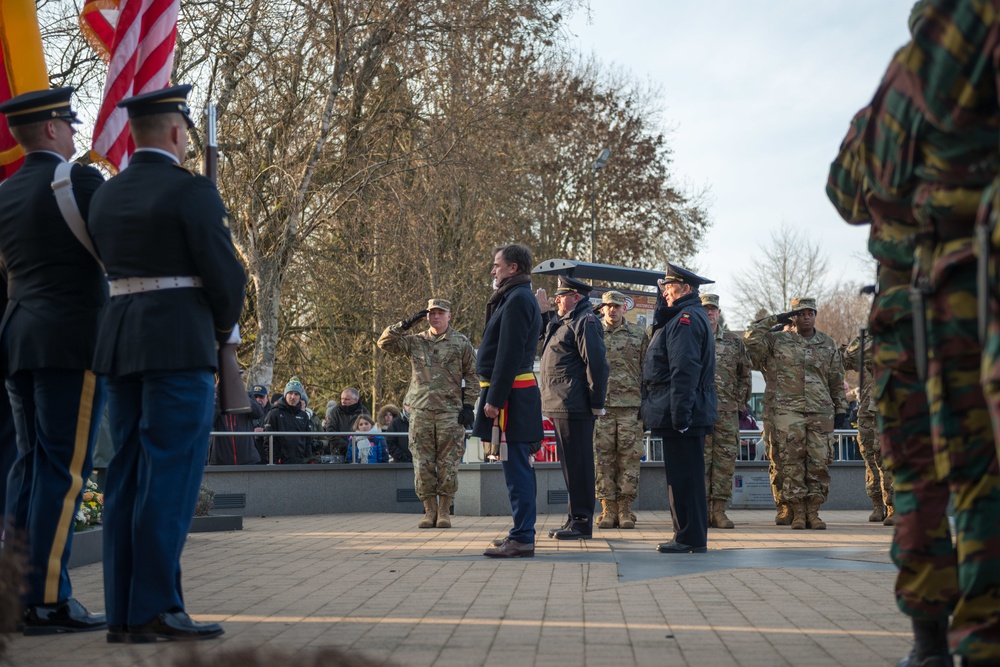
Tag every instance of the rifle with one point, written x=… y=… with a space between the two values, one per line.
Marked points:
x=232 y=393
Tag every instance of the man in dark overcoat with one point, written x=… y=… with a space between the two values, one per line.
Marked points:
x=679 y=403
x=509 y=401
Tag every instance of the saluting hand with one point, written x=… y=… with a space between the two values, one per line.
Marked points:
x=543 y=299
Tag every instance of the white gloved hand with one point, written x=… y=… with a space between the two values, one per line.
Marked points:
x=600 y=412
x=234 y=336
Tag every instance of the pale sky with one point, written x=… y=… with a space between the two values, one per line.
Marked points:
x=757 y=96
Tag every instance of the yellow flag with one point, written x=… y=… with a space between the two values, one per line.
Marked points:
x=23 y=65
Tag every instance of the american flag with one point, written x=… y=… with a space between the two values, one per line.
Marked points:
x=137 y=39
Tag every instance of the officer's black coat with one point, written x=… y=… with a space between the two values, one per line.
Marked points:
x=55 y=288
x=574 y=365
x=508 y=350
x=678 y=373
x=158 y=219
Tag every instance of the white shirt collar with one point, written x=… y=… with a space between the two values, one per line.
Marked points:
x=160 y=151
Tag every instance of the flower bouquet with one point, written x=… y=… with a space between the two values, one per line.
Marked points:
x=91 y=508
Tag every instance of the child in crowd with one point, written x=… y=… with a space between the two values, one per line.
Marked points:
x=367 y=448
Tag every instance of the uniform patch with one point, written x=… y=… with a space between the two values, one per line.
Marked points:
x=685 y=318
x=225 y=221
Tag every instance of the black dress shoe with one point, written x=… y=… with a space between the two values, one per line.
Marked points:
x=68 y=616
x=552 y=533
x=571 y=534
x=672 y=547
x=117 y=634
x=172 y=626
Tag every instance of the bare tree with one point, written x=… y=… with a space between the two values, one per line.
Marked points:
x=789 y=266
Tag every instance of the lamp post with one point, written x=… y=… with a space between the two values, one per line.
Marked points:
x=595 y=166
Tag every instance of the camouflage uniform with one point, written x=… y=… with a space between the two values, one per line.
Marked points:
x=618 y=444
x=878 y=480
x=914 y=164
x=774 y=449
x=436 y=395
x=809 y=389
x=732 y=385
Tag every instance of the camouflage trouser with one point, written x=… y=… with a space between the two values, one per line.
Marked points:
x=927 y=582
x=807 y=455
x=878 y=480
x=437 y=442
x=618 y=448
x=721 y=449
x=773 y=453
x=964 y=451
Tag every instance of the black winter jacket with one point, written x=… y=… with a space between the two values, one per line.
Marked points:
x=289 y=448
x=574 y=365
x=678 y=374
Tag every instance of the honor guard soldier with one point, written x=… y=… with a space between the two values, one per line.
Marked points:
x=574 y=384
x=55 y=286
x=176 y=290
x=679 y=403
x=618 y=446
x=443 y=388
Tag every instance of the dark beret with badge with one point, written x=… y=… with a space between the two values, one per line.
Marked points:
x=167 y=100
x=38 y=106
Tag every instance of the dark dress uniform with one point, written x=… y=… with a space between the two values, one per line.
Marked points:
x=679 y=405
x=504 y=364
x=574 y=383
x=55 y=291
x=158 y=348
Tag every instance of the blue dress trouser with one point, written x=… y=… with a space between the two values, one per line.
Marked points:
x=57 y=414
x=8 y=443
x=520 y=478
x=160 y=421
x=684 y=461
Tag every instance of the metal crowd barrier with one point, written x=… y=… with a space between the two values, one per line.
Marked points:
x=751 y=447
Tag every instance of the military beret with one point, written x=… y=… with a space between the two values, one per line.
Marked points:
x=676 y=274
x=802 y=303
x=710 y=300
x=613 y=297
x=39 y=105
x=168 y=100
x=568 y=285
x=259 y=390
x=439 y=304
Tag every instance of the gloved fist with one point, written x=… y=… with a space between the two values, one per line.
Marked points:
x=786 y=318
x=466 y=416
x=413 y=319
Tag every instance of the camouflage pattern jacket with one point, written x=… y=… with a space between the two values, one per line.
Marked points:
x=440 y=364
x=626 y=348
x=852 y=360
x=809 y=371
x=732 y=372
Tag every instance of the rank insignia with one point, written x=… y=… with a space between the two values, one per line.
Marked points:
x=685 y=318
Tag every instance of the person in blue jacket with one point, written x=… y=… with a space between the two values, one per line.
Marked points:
x=679 y=403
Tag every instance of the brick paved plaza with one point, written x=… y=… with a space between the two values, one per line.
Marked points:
x=376 y=585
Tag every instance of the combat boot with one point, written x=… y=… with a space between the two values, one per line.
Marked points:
x=798 y=515
x=878 y=514
x=719 y=518
x=430 y=513
x=812 y=514
x=890 y=516
x=609 y=513
x=444 y=507
x=784 y=515
x=930 y=645
x=626 y=517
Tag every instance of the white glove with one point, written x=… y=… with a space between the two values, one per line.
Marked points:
x=600 y=412
x=234 y=336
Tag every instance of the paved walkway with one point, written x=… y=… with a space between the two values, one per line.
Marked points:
x=374 y=584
